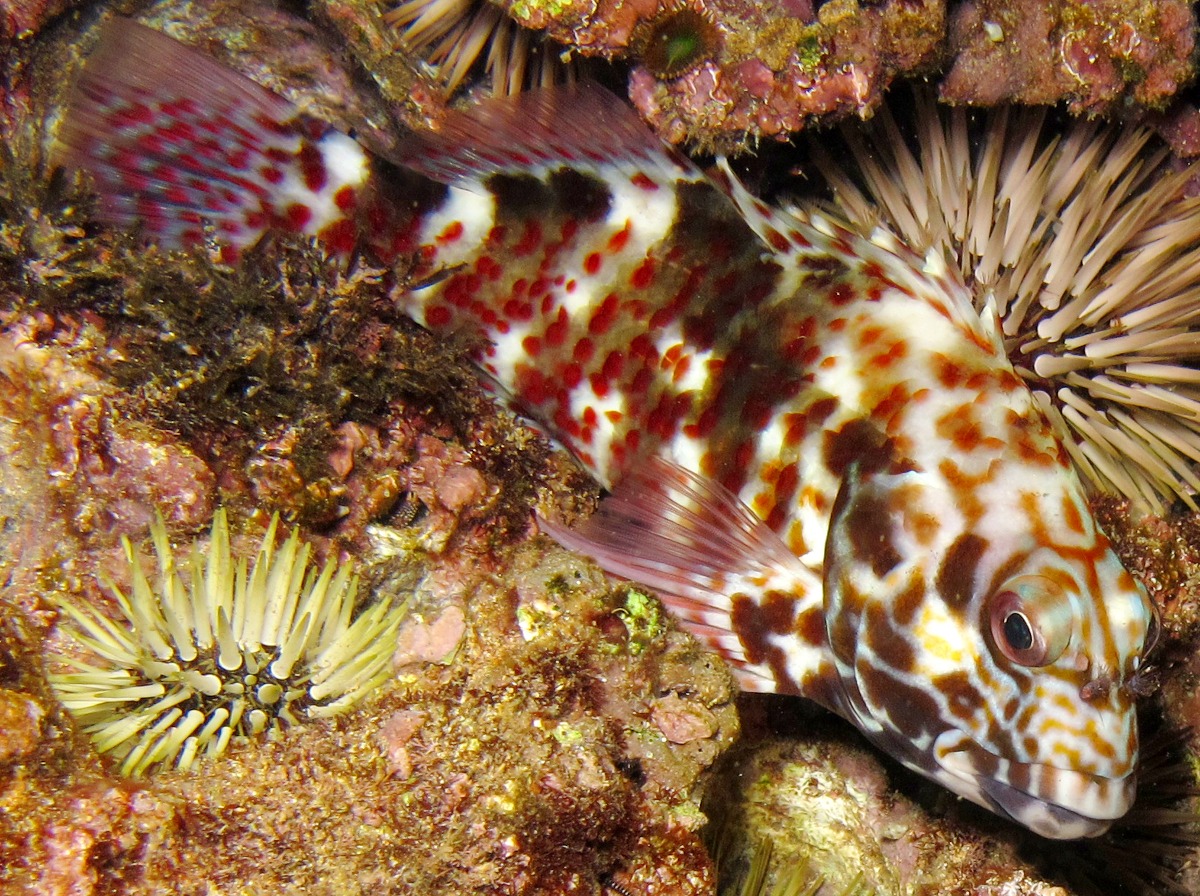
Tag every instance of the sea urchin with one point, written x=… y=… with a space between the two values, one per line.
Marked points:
x=1084 y=241
x=453 y=35
x=217 y=649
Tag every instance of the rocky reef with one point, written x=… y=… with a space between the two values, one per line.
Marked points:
x=545 y=731
x=767 y=70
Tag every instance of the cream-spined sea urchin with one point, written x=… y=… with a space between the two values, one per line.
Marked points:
x=453 y=35
x=1086 y=242
x=218 y=648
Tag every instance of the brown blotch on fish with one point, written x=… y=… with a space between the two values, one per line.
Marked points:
x=966 y=487
x=752 y=625
x=909 y=601
x=843 y=630
x=911 y=708
x=1071 y=515
x=960 y=430
x=810 y=628
x=778 y=613
x=923 y=527
x=949 y=372
x=857 y=442
x=871 y=530
x=887 y=642
x=956 y=574
x=961 y=695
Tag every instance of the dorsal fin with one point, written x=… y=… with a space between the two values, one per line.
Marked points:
x=580 y=126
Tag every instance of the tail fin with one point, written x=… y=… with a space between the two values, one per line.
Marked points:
x=176 y=141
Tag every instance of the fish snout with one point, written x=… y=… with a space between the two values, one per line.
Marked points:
x=1056 y=802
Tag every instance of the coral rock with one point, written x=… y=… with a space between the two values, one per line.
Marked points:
x=20 y=725
x=774 y=73
x=680 y=722
x=22 y=19
x=824 y=802
x=394 y=736
x=1096 y=56
x=106 y=838
x=86 y=458
x=433 y=641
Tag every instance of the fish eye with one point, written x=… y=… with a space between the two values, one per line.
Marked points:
x=1018 y=633
x=1031 y=620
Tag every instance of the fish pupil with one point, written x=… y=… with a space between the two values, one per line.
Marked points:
x=1018 y=632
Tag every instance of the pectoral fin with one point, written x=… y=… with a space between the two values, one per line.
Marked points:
x=713 y=561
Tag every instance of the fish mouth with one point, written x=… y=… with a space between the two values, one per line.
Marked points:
x=1057 y=803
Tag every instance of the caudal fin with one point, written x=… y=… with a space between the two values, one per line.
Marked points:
x=176 y=142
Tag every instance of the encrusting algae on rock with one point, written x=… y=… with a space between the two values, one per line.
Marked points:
x=436 y=782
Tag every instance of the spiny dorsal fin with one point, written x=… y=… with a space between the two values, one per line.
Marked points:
x=580 y=126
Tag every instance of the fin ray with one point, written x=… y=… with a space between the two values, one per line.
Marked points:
x=694 y=542
x=581 y=126
x=175 y=142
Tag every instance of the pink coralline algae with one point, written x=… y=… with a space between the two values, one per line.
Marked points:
x=104 y=819
x=394 y=736
x=766 y=70
x=109 y=472
x=777 y=73
x=1095 y=56
x=433 y=640
x=769 y=70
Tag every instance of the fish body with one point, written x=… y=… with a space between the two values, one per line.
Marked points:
x=817 y=450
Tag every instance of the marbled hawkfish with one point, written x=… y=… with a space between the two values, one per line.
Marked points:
x=817 y=449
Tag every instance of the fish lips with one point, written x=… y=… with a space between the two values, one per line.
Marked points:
x=1057 y=803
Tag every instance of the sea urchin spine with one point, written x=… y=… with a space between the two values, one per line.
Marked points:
x=453 y=35
x=1084 y=244
x=220 y=649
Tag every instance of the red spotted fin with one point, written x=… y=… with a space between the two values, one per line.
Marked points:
x=177 y=142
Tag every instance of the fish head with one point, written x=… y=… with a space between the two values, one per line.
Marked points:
x=1003 y=660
